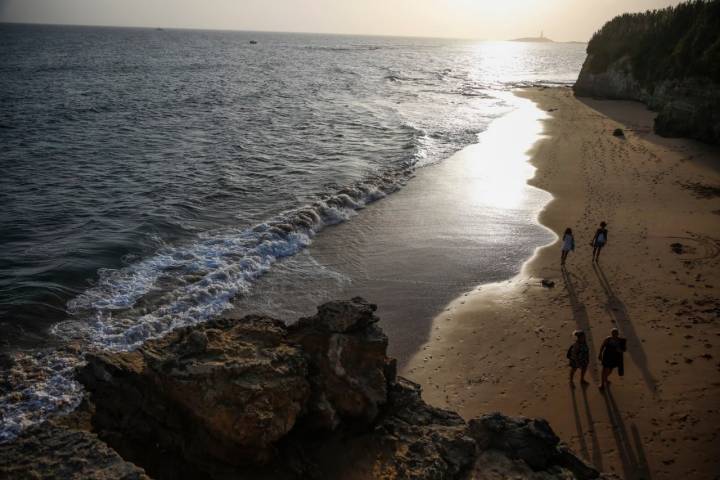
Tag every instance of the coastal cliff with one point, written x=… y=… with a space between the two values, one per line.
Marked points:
x=254 y=398
x=668 y=59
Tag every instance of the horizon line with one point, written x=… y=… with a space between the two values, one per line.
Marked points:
x=477 y=39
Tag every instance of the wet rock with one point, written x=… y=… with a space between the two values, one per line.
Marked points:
x=53 y=452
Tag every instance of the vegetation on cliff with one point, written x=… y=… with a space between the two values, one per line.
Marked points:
x=672 y=43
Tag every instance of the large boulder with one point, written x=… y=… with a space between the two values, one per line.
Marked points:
x=349 y=368
x=224 y=391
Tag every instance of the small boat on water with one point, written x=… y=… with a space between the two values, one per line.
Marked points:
x=253 y=42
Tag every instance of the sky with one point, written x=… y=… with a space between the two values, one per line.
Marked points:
x=561 y=20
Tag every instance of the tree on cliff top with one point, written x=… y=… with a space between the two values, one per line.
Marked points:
x=672 y=43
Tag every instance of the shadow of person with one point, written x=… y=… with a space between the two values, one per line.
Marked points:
x=618 y=312
x=578 y=426
x=581 y=320
x=595 y=444
x=593 y=454
x=631 y=452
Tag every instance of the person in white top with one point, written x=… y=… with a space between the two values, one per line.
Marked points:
x=568 y=245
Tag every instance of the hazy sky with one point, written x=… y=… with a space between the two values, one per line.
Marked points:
x=491 y=19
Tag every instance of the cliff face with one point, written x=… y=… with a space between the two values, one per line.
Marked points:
x=668 y=59
x=253 y=398
x=686 y=108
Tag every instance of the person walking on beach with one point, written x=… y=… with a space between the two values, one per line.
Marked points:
x=568 y=245
x=611 y=356
x=599 y=241
x=579 y=356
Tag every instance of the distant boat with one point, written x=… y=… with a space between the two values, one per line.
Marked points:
x=253 y=42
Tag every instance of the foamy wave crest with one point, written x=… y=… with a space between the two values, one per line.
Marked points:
x=177 y=286
x=185 y=285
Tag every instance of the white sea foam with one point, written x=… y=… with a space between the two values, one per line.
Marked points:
x=37 y=384
x=179 y=286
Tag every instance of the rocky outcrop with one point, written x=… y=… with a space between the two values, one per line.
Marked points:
x=616 y=82
x=349 y=368
x=686 y=108
x=223 y=392
x=666 y=58
x=253 y=398
x=51 y=451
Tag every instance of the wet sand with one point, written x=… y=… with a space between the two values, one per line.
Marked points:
x=470 y=216
x=502 y=346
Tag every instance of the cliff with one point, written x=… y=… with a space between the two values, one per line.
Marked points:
x=668 y=59
x=254 y=398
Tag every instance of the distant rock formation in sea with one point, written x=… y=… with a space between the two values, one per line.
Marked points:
x=541 y=39
x=254 y=398
x=668 y=59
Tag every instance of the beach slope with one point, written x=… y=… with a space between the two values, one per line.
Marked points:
x=501 y=347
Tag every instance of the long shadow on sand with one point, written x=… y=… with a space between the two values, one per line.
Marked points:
x=593 y=454
x=631 y=452
x=616 y=308
x=581 y=319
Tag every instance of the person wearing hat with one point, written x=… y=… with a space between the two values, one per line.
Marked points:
x=599 y=241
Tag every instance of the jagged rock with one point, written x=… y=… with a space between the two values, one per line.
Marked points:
x=529 y=440
x=223 y=391
x=410 y=440
x=53 y=452
x=254 y=399
x=349 y=368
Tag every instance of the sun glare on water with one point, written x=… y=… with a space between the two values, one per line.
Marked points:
x=501 y=158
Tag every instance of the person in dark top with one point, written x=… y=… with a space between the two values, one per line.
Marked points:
x=599 y=241
x=579 y=356
x=611 y=356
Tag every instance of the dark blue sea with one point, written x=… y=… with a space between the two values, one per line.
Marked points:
x=149 y=178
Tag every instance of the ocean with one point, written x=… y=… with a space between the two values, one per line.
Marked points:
x=158 y=178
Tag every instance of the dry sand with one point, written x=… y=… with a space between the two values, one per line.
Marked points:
x=502 y=347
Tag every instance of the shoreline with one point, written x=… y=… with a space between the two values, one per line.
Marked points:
x=420 y=247
x=509 y=339
x=409 y=252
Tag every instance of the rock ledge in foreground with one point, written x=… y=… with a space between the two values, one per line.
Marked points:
x=253 y=398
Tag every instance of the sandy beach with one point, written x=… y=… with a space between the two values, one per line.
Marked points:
x=501 y=347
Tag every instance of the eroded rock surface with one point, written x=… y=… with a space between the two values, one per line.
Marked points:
x=349 y=368
x=51 y=451
x=224 y=391
x=255 y=399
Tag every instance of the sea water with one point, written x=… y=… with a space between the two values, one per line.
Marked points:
x=151 y=179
